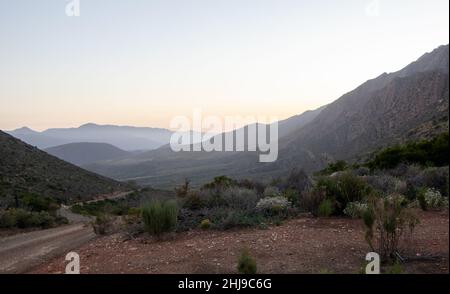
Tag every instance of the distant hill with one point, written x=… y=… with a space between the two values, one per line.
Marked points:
x=84 y=153
x=24 y=168
x=123 y=137
x=408 y=104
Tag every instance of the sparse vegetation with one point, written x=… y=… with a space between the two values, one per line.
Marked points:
x=246 y=263
x=21 y=218
x=386 y=220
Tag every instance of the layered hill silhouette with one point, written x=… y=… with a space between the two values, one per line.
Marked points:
x=124 y=137
x=85 y=153
x=408 y=104
x=26 y=169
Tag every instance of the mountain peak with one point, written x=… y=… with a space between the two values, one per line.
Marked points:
x=23 y=130
x=88 y=125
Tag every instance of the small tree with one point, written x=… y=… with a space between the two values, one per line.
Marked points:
x=183 y=190
x=386 y=220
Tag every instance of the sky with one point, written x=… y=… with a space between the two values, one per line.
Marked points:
x=143 y=62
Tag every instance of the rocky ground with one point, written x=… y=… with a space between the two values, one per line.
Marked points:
x=304 y=245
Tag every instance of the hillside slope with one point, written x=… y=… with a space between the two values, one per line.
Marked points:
x=84 y=153
x=24 y=168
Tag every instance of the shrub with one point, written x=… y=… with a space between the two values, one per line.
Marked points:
x=437 y=178
x=102 y=224
x=246 y=263
x=221 y=182
x=355 y=209
x=430 y=198
x=239 y=198
x=386 y=184
x=434 y=151
x=273 y=205
x=160 y=217
x=242 y=219
x=271 y=191
x=325 y=208
x=293 y=196
x=183 y=190
x=21 y=218
x=386 y=220
x=297 y=179
x=333 y=167
x=344 y=188
x=311 y=200
x=205 y=224
x=361 y=171
x=193 y=201
x=39 y=203
x=252 y=185
x=7 y=219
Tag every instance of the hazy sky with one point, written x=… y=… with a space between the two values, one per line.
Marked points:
x=141 y=62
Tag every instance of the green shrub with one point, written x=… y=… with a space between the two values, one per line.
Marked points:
x=205 y=224
x=421 y=199
x=7 y=219
x=20 y=218
x=425 y=152
x=39 y=203
x=292 y=196
x=325 y=208
x=333 y=167
x=160 y=217
x=246 y=263
x=344 y=188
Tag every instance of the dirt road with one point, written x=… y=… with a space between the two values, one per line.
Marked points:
x=19 y=253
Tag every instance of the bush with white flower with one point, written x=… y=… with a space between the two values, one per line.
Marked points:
x=273 y=205
x=434 y=199
x=355 y=209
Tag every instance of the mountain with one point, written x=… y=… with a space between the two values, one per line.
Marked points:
x=85 y=153
x=392 y=108
x=24 y=168
x=287 y=126
x=164 y=168
x=123 y=137
x=35 y=138
x=395 y=107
